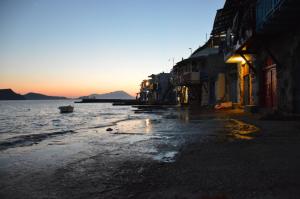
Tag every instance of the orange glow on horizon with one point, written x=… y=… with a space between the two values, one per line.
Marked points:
x=69 y=93
x=67 y=86
x=65 y=91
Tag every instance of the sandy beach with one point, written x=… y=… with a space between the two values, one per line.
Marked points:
x=266 y=166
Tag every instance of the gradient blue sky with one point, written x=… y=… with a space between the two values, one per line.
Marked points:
x=78 y=47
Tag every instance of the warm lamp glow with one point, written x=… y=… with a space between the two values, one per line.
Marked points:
x=235 y=59
x=238 y=59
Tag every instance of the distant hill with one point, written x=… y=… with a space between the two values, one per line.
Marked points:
x=8 y=94
x=38 y=96
x=112 y=95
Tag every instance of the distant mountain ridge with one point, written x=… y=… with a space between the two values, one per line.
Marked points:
x=9 y=94
x=111 y=95
x=38 y=96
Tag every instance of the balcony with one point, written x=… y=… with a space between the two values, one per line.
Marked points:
x=276 y=15
x=189 y=78
x=242 y=31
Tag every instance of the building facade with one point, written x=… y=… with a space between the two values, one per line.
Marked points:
x=157 y=90
x=202 y=78
x=252 y=60
x=262 y=38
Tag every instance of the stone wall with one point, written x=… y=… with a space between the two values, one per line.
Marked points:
x=285 y=49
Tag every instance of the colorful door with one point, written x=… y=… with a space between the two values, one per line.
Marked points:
x=270 y=84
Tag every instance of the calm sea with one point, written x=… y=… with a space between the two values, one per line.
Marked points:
x=27 y=122
x=35 y=132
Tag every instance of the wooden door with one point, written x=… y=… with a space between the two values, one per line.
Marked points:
x=270 y=84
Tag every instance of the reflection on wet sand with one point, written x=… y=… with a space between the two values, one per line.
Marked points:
x=233 y=127
x=148 y=125
x=240 y=130
x=137 y=126
x=184 y=115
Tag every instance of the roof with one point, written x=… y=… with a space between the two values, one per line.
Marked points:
x=206 y=49
x=159 y=75
x=205 y=52
x=224 y=17
x=201 y=53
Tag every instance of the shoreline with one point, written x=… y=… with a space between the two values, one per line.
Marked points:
x=267 y=166
x=238 y=160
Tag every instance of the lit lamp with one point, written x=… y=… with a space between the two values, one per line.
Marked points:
x=238 y=59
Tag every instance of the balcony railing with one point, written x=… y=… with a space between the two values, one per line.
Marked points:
x=265 y=10
x=191 y=78
x=242 y=30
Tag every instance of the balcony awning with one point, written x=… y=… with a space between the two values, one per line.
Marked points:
x=200 y=54
x=203 y=52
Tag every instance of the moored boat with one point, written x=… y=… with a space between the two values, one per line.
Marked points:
x=66 y=109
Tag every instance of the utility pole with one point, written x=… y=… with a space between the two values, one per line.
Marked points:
x=173 y=59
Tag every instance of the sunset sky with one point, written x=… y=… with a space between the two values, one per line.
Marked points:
x=78 y=47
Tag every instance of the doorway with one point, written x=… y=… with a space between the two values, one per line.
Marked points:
x=270 y=84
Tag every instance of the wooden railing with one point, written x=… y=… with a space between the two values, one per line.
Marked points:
x=265 y=10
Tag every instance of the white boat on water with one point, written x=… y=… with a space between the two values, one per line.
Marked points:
x=66 y=109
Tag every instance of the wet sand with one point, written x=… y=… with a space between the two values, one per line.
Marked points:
x=237 y=160
x=264 y=164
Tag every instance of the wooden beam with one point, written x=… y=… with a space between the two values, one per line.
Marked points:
x=248 y=62
x=244 y=52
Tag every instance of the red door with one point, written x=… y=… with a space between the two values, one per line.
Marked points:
x=270 y=84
